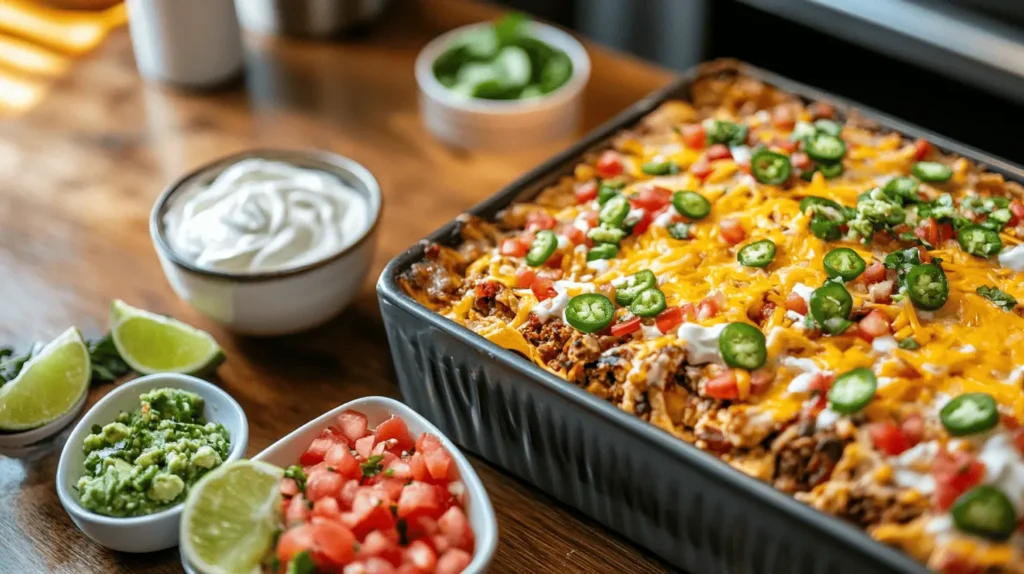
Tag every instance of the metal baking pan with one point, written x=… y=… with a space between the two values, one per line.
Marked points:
x=691 y=509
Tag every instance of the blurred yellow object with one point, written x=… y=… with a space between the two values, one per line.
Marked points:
x=68 y=31
x=18 y=94
x=29 y=58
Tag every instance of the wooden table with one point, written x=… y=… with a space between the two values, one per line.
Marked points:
x=79 y=173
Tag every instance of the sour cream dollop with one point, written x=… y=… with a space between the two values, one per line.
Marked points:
x=262 y=215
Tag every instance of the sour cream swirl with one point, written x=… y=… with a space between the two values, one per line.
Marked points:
x=262 y=215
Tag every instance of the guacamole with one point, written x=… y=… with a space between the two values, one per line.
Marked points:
x=146 y=460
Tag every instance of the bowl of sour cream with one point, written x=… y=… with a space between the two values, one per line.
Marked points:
x=269 y=242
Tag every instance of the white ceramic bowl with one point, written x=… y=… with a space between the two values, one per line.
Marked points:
x=501 y=125
x=287 y=451
x=273 y=302
x=159 y=530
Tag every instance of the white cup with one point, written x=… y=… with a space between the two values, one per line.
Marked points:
x=190 y=43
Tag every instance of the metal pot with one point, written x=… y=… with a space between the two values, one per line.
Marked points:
x=310 y=18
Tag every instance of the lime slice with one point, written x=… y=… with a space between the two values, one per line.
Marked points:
x=152 y=343
x=231 y=516
x=48 y=386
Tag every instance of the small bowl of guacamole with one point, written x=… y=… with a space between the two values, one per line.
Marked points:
x=128 y=465
x=507 y=84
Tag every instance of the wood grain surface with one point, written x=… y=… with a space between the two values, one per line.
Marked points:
x=79 y=174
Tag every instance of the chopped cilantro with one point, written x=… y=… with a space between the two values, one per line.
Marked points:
x=372 y=466
x=999 y=298
x=296 y=473
x=909 y=343
x=389 y=472
x=301 y=563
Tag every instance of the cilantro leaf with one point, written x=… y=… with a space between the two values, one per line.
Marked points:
x=999 y=298
x=301 y=563
x=909 y=343
x=107 y=364
x=296 y=473
x=372 y=466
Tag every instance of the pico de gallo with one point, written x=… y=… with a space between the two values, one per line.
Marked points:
x=372 y=501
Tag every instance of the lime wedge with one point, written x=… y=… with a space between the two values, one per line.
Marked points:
x=152 y=343
x=230 y=518
x=48 y=386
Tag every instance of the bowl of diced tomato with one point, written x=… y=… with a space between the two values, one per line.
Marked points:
x=373 y=487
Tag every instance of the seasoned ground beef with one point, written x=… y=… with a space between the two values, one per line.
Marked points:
x=549 y=337
x=805 y=457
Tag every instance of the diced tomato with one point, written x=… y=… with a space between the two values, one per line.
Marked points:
x=1017 y=209
x=874 y=273
x=586 y=192
x=888 y=437
x=297 y=510
x=821 y=110
x=294 y=541
x=694 y=136
x=524 y=278
x=946 y=231
x=800 y=160
x=788 y=146
x=921 y=149
x=796 y=303
x=327 y=508
x=454 y=526
x=419 y=498
x=881 y=292
x=668 y=319
x=370 y=511
x=353 y=425
x=689 y=311
x=421 y=555
x=783 y=118
x=543 y=288
x=418 y=467
x=1017 y=437
x=875 y=324
x=389 y=485
x=399 y=468
x=626 y=327
x=395 y=428
x=439 y=463
x=440 y=543
x=701 y=169
x=761 y=380
x=765 y=312
x=512 y=247
x=333 y=541
x=372 y=565
x=732 y=231
x=717 y=152
x=427 y=443
x=821 y=382
x=928 y=231
x=341 y=459
x=609 y=164
x=953 y=563
x=925 y=256
x=316 y=451
x=364 y=446
x=710 y=306
x=955 y=473
x=381 y=544
x=723 y=387
x=653 y=198
x=913 y=428
x=348 y=493
x=575 y=235
x=539 y=219
x=645 y=221
x=453 y=561
x=323 y=483
x=288 y=487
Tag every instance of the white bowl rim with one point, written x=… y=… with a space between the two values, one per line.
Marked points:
x=567 y=43
x=486 y=542
x=202 y=388
x=328 y=161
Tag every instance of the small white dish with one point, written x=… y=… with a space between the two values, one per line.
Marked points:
x=287 y=451
x=495 y=124
x=11 y=441
x=273 y=302
x=154 y=531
